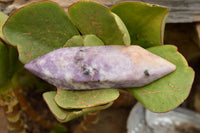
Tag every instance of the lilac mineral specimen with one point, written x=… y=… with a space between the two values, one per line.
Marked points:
x=100 y=67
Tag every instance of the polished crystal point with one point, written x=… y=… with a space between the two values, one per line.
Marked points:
x=100 y=67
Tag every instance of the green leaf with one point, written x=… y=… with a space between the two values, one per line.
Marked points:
x=145 y=22
x=37 y=29
x=92 y=18
x=83 y=99
x=9 y=53
x=123 y=29
x=75 y=41
x=4 y=64
x=92 y=40
x=9 y=62
x=63 y=115
x=170 y=91
x=14 y=63
x=3 y=18
x=87 y=40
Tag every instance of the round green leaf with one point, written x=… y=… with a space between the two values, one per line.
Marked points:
x=92 y=18
x=83 y=99
x=37 y=29
x=92 y=40
x=86 y=40
x=3 y=18
x=64 y=115
x=145 y=22
x=75 y=41
x=170 y=91
x=123 y=29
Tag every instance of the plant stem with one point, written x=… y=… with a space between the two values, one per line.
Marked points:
x=88 y=122
x=125 y=99
x=10 y=105
x=28 y=108
x=87 y=125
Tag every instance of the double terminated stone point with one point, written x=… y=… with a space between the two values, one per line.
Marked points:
x=100 y=67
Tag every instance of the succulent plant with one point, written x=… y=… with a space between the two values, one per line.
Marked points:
x=42 y=27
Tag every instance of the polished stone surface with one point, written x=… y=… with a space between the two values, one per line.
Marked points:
x=99 y=67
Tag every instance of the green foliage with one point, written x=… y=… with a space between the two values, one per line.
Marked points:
x=9 y=63
x=4 y=52
x=84 y=99
x=38 y=29
x=75 y=41
x=92 y=40
x=14 y=63
x=64 y=115
x=170 y=91
x=3 y=18
x=93 y=18
x=145 y=22
x=87 y=40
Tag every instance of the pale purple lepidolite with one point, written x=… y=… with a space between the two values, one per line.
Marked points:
x=100 y=67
